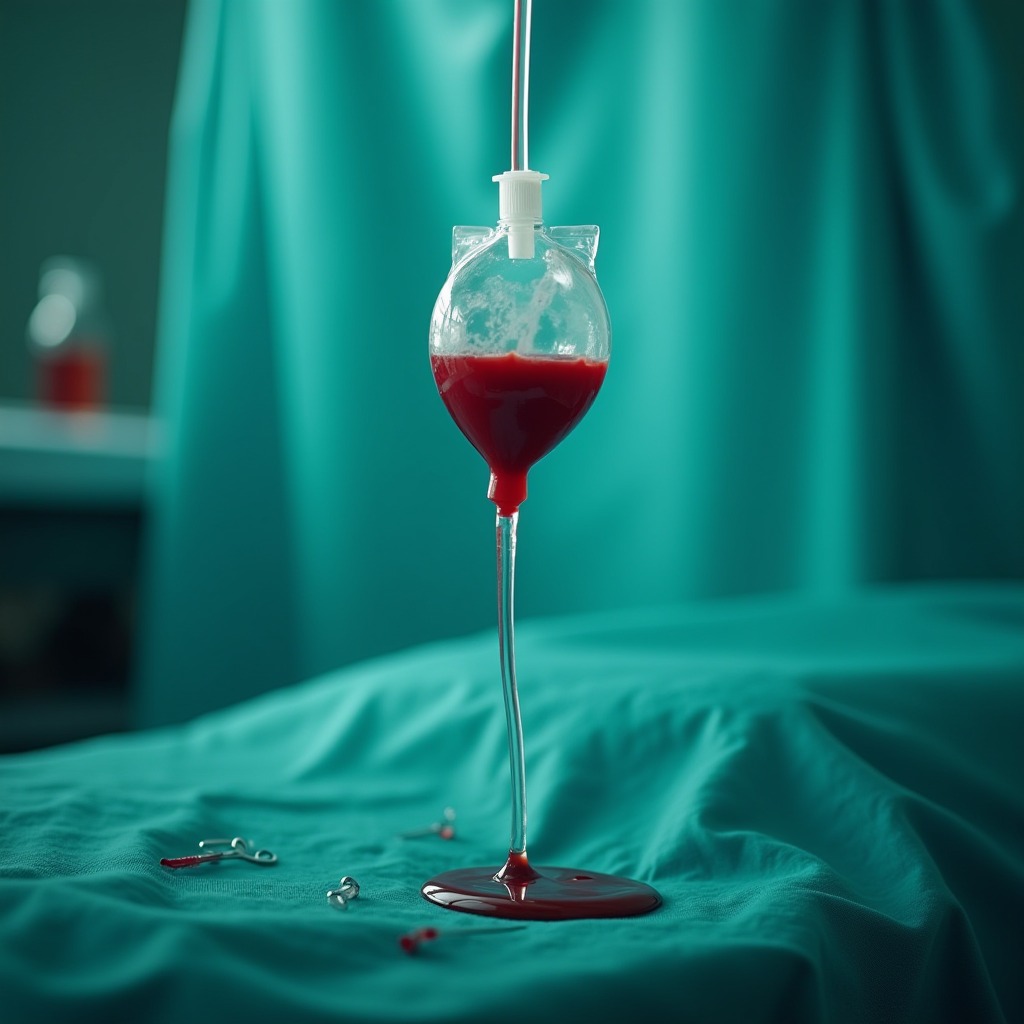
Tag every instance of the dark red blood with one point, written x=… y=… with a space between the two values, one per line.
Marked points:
x=190 y=862
x=545 y=894
x=408 y=943
x=427 y=934
x=514 y=409
x=72 y=379
x=181 y=862
x=516 y=870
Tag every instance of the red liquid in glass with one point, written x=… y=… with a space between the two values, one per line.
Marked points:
x=514 y=409
x=72 y=379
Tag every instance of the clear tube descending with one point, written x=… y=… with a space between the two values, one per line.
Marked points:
x=521 y=85
x=506 y=531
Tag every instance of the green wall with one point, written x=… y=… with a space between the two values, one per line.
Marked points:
x=86 y=88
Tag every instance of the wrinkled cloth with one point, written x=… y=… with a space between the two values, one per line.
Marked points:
x=826 y=794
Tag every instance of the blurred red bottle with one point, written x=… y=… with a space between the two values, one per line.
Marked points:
x=68 y=335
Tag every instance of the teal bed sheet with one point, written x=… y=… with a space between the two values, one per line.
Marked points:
x=828 y=796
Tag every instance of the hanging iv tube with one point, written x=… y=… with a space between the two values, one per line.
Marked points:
x=519 y=188
x=521 y=85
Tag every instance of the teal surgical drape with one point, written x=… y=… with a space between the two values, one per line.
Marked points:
x=812 y=250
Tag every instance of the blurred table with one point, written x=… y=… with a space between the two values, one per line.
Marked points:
x=72 y=508
x=84 y=459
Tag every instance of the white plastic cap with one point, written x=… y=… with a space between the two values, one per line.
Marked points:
x=519 y=207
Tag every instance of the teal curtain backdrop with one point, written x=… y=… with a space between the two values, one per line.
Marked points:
x=812 y=249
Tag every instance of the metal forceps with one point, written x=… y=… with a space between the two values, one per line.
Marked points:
x=236 y=849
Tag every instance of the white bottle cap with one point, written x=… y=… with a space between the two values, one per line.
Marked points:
x=519 y=207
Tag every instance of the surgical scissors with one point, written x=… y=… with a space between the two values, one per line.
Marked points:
x=237 y=849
